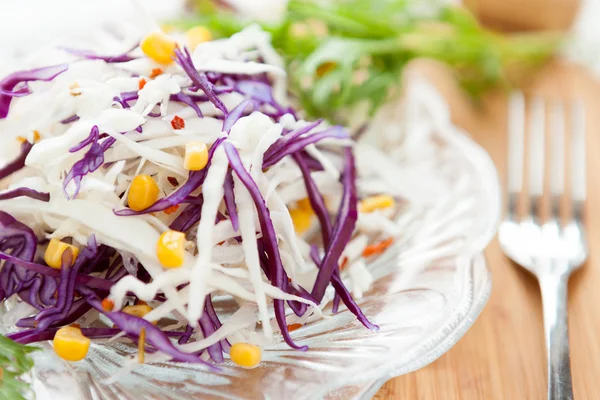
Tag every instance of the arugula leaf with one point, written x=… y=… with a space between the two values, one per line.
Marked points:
x=15 y=361
x=340 y=53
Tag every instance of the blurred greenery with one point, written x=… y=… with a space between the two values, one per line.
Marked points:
x=340 y=53
x=14 y=362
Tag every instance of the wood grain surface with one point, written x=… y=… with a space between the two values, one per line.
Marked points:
x=503 y=355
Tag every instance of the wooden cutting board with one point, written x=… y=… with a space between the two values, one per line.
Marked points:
x=503 y=355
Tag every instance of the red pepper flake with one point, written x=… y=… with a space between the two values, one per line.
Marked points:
x=172 y=209
x=21 y=139
x=173 y=181
x=108 y=305
x=36 y=136
x=344 y=263
x=141 y=83
x=178 y=122
x=75 y=326
x=139 y=302
x=377 y=248
x=293 y=327
x=156 y=72
x=1 y=374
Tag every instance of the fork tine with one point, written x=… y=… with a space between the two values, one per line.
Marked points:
x=557 y=154
x=516 y=150
x=578 y=159
x=537 y=122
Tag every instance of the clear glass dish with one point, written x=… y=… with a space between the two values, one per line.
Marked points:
x=428 y=290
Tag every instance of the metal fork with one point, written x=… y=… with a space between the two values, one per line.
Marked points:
x=553 y=247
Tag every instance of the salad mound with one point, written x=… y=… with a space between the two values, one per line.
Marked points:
x=149 y=182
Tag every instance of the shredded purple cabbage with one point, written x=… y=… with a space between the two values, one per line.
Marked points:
x=132 y=326
x=17 y=163
x=230 y=200
x=236 y=114
x=90 y=55
x=277 y=272
x=88 y=280
x=187 y=100
x=297 y=144
x=20 y=241
x=8 y=84
x=25 y=192
x=91 y=161
x=200 y=80
x=73 y=118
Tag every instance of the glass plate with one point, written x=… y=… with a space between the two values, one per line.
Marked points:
x=428 y=290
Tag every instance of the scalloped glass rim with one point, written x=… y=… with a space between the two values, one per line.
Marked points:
x=428 y=291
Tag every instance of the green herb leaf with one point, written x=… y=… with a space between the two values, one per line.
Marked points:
x=340 y=53
x=15 y=361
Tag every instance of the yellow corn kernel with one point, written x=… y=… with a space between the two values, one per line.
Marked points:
x=143 y=192
x=139 y=310
x=70 y=344
x=245 y=355
x=166 y=28
x=159 y=47
x=378 y=202
x=302 y=219
x=170 y=249
x=304 y=204
x=196 y=156
x=54 y=252
x=197 y=35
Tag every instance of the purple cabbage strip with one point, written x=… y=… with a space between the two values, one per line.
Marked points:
x=236 y=114
x=289 y=137
x=336 y=303
x=90 y=55
x=17 y=163
x=317 y=201
x=21 y=92
x=187 y=100
x=210 y=311
x=349 y=302
x=132 y=326
x=195 y=180
x=92 y=137
x=215 y=351
x=294 y=146
x=25 y=192
x=39 y=74
x=187 y=218
x=259 y=91
x=199 y=79
x=277 y=272
x=344 y=227
x=230 y=200
x=73 y=118
x=187 y=335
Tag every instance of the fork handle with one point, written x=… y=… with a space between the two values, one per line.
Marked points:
x=554 y=298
